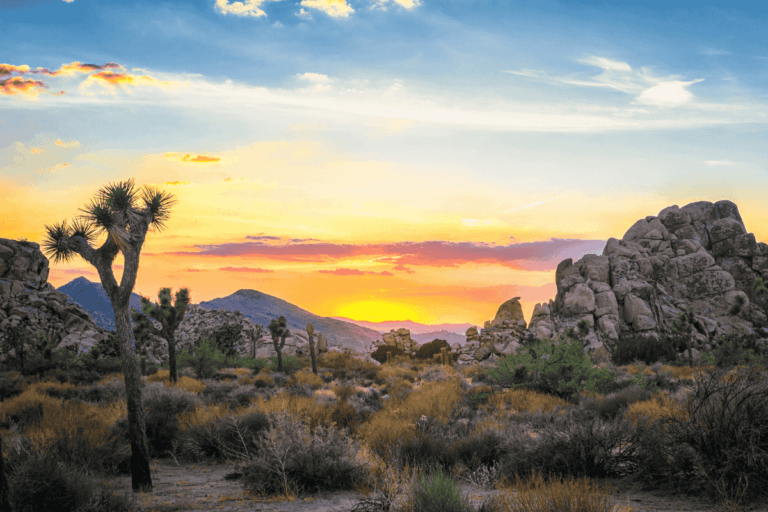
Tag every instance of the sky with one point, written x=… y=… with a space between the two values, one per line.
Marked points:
x=380 y=159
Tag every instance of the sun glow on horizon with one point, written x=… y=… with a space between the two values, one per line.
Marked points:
x=382 y=311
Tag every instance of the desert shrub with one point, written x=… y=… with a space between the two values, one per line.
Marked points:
x=291 y=459
x=232 y=437
x=725 y=433
x=558 y=368
x=240 y=397
x=308 y=378
x=161 y=405
x=534 y=493
x=219 y=377
x=87 y=369
x=43 y=484
x=577 y=443
x=204 y=359
x=105 y=500
x=225 y=339
x=251 y=363
x=428 y=350
x=732 y=350
x=29 y=416
x=484 y=449
x=183 y=382
x=380 y=354
x=612 y=405
x=103 y=392
x=344 y=366
x=438 y=492
x=10 y=385
x=218 y=392
x=634 y=347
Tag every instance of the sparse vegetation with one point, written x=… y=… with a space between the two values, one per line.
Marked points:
x=404 y=432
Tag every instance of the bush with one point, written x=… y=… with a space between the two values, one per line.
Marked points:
x=558 y=368
x=438 y=493
x=636 y=347
x=483 y=449
x=428 y=350
x=723 y=437
x=204 y=359
x=380 y=354
x=732 y=350
x=291 y=459
x=611 y=406
x=232 y=437
x=42 y=484
x=10 y=386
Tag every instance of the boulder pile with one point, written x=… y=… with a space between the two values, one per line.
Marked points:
x=28 y=301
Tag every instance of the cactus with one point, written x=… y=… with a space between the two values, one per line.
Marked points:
x=279 y=331
x=310 y=333
x=170 y=318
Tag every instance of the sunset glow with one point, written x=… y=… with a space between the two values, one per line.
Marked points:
x=380 y=159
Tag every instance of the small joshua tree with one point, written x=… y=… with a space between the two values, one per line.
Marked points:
x=279 y=331
x=684 y=327
x=259 y=332
x=116 y=211
x=169 y=316
x=312 y=355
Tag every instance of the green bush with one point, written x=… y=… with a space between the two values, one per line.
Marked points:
x=557 y=368
x=732 y=350
x=635 y=347
x=438 y=493
x=380 y=354
x=428 y=350
x=43 y=484
x=204 y=359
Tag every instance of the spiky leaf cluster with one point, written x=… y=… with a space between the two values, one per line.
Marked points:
x=169 y=315
x=279 y=330
x=118 y=209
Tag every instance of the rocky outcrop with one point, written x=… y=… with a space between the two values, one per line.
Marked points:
x=699 y=256
x=500 y=336
x=29 y=301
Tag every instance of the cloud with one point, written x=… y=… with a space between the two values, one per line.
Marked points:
x=68 y=1
x=8 y=69
x=245 y=269
x=530 y=205
x=112 y=79
x=193 y=270
x=542 y=255
x=263 y=237
x=21 y=86
x=57 y=167
x=313 y=77
x=713 y=52
x=177 y=183
x=305 y=15
x=354 y=272
x=606 y=64
x=668 y=94
x=36 y=151
x=72 y=144
x=76 y=67
x=333 y=8
x=247 y=8
x=403 y=268
x=200 y=159
x=406 y=4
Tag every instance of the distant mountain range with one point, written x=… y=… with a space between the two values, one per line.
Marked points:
x=259 y=307
x=92 y=297
x=414 y=327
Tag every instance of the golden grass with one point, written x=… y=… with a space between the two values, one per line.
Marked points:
x=183 y=382
x=205 y=414
x=534 y=495
x=305 y=376
x=659 y=406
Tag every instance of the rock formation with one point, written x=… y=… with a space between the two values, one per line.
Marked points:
x=29 y=301
x=500 y=336
x=699 y=256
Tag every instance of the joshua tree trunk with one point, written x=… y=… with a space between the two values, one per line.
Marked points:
x=310 y=333
x=172 y=356
x=5 y=503
x=141 y=478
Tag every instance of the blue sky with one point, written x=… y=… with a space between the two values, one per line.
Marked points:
x=378 y=122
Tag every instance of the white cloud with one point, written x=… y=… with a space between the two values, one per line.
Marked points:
x=313 y=77
x=667 y=94
x=305 y=15
x=606 y=64
x=73 y=144
x=245 y=8
x=333 y=8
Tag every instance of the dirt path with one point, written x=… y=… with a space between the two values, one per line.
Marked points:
x=189 y=486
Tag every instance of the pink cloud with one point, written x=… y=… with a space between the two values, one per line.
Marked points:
x=354 y=272
x=245 y=269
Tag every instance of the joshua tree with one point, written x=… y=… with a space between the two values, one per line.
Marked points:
x=169 y=316
x=116 y=211
x=279 y=331
x=684 y=326
x=259 y=332
x=311 y=332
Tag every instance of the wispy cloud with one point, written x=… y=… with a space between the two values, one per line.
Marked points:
x=618 y=75
x=712 y=52
x=543 y=255
x=721 y=162
x=354 y=272
x=333 y=8
x=71 y=144
x=18 y=86
x=246 y=269
x=196 y=159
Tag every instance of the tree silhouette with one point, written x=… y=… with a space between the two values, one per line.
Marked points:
x=116 y=211
x=169 y=316
x=279 y=331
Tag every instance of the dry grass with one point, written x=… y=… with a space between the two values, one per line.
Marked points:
x=183 y=382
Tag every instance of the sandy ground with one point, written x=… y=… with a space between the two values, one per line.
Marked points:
x=202 y=486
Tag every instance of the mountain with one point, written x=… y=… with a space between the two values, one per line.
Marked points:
x=92 y=297
x=414 y=327
x=261 y=308
x=450 y=337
